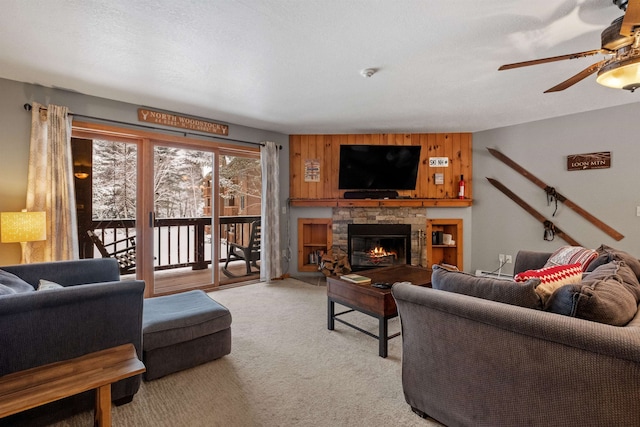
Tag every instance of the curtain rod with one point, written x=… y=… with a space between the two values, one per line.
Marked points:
x=28 y=107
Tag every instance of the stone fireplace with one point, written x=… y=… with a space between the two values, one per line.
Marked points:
x=406 y=233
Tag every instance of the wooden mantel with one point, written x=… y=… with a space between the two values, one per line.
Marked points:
x=416 y=203
x=325 y=150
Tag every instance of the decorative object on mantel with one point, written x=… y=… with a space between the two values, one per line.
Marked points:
x=554 y=195
x=335 y=263
x=183 y=122
x=581 y=162
x=550 y=230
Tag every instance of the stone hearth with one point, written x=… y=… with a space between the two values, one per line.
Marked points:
x=416 y=217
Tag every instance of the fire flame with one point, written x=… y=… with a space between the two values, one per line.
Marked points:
x=379 y=252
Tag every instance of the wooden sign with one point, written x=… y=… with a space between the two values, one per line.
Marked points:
x=311 y=170
x=183 y=122
x=580 y=162
x=438 y=162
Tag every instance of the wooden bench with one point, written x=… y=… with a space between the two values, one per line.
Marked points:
x=37 y=386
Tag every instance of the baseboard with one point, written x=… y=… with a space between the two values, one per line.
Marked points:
x=495 y=275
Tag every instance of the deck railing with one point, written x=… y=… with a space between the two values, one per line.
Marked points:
x=178 y=242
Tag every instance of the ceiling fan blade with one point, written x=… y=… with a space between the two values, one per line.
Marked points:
x=554 y=58
x=578 y=77
x=631 y=18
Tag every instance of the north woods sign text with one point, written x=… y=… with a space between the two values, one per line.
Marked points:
x=183 y=122
x=579 y=162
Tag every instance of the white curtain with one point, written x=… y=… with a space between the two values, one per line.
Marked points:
x=50 y=184
x=270 y=257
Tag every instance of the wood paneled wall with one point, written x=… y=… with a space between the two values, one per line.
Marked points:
x=326 y=148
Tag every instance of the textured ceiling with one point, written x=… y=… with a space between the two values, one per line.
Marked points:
x=293 y=66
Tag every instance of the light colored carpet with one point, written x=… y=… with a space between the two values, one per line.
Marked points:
x=285 y=369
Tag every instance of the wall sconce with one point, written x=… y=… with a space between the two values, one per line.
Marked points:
x=81 y=172
x=23 y=227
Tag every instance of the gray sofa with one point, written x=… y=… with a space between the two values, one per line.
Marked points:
x=469 y=361
x=93 y=310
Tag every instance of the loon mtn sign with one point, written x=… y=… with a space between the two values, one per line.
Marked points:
x=183 y=122
x=580 y=162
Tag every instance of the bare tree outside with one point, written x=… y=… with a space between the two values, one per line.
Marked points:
x=240 y=179
x=180 y=178
x=114 y=180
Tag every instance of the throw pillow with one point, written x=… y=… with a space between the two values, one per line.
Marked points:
x=500 y=290
x=14 y=282
x=606 y=296
x=571 y=255
x=601 y=259
x=551 y=278
x=622 y=270
x=607 y=254
x=44 y=285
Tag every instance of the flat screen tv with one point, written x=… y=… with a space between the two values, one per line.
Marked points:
x=378 y=167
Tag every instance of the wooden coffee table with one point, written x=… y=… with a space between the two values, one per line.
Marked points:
x=375 y=302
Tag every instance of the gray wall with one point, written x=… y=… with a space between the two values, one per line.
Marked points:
x=15 y=130
x=611 y=195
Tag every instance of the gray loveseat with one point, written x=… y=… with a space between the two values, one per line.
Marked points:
x=469 y=361
x=93 y=310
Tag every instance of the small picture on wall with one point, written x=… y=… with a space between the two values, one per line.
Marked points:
x=580 y=162
x=311 y=170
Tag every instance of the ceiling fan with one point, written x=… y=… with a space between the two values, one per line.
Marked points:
x=621 y=40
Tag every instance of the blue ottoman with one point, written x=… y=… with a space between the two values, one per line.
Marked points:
x=181 y=331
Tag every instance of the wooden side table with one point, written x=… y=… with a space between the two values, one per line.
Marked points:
x=37 y=386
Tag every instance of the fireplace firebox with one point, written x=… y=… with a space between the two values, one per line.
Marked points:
x=378 y=245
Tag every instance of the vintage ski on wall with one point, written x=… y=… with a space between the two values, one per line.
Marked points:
x=553 y=193
x=550 y=230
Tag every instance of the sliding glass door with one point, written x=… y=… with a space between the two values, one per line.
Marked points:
x=239 y=189
x=106 y=186
x=183 y=204
x=205 y=203
x=168 y=209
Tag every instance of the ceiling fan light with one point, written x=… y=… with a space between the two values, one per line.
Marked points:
x=621 y=74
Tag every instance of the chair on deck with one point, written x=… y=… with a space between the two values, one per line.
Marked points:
x=250 y=253
x=126 y=256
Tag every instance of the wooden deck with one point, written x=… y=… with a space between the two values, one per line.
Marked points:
x=182 y=279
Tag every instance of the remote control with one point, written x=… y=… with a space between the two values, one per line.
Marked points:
x=382 y=285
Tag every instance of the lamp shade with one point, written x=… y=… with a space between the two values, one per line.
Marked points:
x=624 y=74
x=23 y=227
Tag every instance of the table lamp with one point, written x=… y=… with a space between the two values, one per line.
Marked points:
x=23 y=227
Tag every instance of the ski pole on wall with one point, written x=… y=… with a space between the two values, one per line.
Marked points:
x=550 y=230
x=552 y=192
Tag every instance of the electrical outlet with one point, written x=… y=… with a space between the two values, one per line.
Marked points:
x=508 y=259
x=284 y=210
x=501 y=258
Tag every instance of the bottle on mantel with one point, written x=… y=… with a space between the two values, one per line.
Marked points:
x=461 y=187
